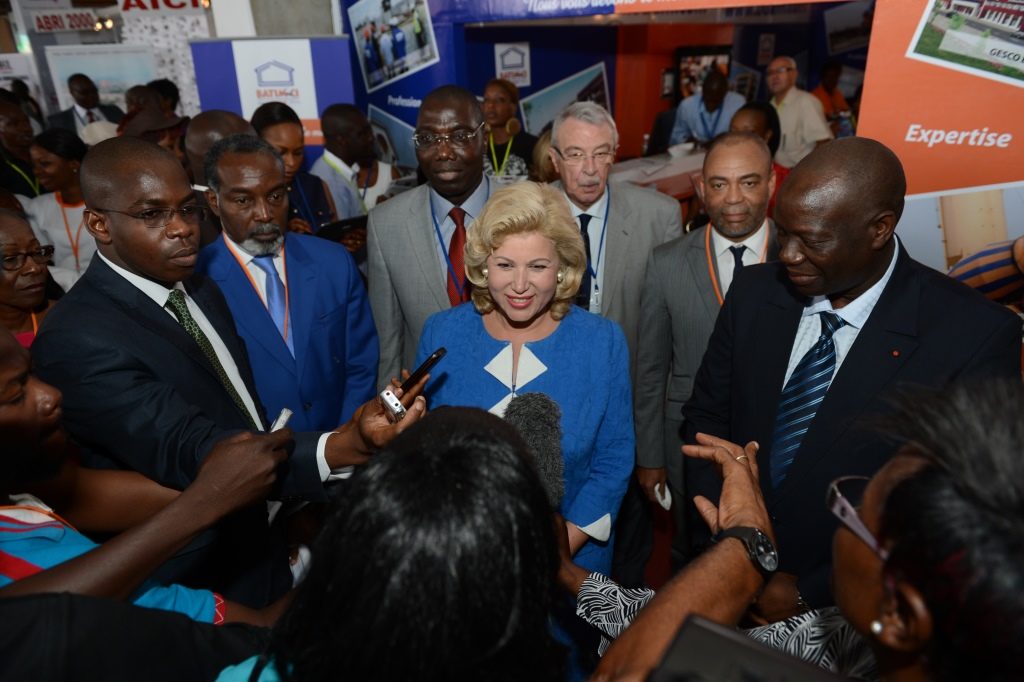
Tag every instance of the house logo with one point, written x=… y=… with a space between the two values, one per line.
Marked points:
x=512 y=59
x=274 y=74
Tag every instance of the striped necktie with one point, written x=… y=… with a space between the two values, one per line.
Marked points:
x=177 y=305
x=801 y=397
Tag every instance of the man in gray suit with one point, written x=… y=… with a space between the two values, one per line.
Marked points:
x=687 y=280
x=415 y=240
x=620 y=223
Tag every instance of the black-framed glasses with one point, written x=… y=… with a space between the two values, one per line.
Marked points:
x=844 y=496
x=576 y=157
x=16 y=261
x=458 y=138
x=161 y=217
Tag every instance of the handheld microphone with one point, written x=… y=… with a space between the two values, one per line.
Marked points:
x=538 y=419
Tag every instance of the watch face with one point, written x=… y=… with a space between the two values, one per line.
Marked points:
x=765 y=552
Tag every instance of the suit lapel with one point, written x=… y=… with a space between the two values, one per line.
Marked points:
x=301 y=301
x=421 y=237
x=616 y=247
x=249 y=312
x=697 y=258
x=883 y=346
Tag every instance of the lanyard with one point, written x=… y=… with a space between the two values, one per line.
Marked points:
x=444 y=247
x=500 y=170
x=32 y=182
x=592 y=269
x=711 y=266
x=344 y=176
x=366 y=185
x=67 y=228
x=256 y=288
x=710 y=133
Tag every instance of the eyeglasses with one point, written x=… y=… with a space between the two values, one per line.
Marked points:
x=161 y=217
x=459 y=138
x=16 y=261
x=779 y=71
x=843 y=494
x=578 y=158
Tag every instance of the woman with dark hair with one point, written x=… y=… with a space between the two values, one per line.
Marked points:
x=437 y=564
x=509 y=154
x=23 y=301
x=309 y=198
x=58 y=217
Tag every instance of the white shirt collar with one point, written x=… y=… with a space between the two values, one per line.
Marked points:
x=472 y=205
x=83 y=113
x=755 y=241
x=597 y=209
x=337 y=164
x=856 y=312
x=158 y=292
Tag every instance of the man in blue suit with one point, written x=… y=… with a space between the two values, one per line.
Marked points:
x=298 y=301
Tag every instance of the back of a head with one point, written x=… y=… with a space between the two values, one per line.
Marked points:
x=206 y=129
x=863 y=172
x=167 y=90
x=771 y=121
x=956 y=525
x=438 y=564
x=340 y=118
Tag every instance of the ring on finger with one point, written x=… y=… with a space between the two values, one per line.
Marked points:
x=741 y=458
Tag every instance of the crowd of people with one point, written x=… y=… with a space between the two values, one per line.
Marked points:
x=833 y=426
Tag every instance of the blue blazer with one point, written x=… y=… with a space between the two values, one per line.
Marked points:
x=336 y=350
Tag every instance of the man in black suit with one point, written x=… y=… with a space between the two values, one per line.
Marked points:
x=86 y=109
x=807 y=349
x=154 y=374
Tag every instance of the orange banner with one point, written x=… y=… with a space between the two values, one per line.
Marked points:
x=644 y=6
x=942 y=92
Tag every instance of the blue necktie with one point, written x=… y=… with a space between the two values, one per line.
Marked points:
x=801 y=397
x=277 y=301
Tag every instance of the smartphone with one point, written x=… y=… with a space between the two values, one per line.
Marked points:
x=396 y=411
x=282 y=419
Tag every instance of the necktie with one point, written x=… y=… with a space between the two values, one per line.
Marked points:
x=583 y=295
x=458 y=287
x=90 y=117
x=737 y=254
x=176 y=304
x=801 y=397
x=277 y=298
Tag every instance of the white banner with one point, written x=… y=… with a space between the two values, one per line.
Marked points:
x=63 y=20
x=512 y=62
x=980 y=46
x=114 y=69
x=278 y=71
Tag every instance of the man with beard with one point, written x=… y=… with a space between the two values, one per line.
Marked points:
x=298 y=301
x=154 y=374
x=687 y=280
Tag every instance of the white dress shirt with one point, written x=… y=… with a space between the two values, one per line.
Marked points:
x=597 y=232
x=753 y=252
x=440 y=207
x=855 y=314
x=82 y=117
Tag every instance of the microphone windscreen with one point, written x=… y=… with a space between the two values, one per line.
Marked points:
x=539 y=421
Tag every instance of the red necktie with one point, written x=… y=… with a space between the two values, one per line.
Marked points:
x=91 y=117
x=457 y=258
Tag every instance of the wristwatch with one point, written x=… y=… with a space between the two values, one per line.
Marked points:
x=760 y=549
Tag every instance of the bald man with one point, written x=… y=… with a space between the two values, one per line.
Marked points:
x=154 y=374
x=807 y=350
x=204 y=131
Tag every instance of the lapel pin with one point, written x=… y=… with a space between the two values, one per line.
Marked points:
x=895 y=353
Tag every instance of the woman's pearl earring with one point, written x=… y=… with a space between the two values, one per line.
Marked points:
x=876 y=627
x=561 y=277
x=484 y=272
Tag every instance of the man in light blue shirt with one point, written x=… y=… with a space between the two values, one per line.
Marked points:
x=705 y=115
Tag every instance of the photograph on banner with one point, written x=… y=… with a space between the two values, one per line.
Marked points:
x=394 y=139
x=588 y=85
x=113 y=68
x=394 y=39
x=848 y=26
x=278 y=71
x=694 y=63
x=980 y=38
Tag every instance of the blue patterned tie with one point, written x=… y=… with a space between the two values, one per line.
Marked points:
x=801 y=397
x=277 y=301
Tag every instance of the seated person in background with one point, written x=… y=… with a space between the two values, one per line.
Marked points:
x=927 y=554
x=297 y=300
x=761 y=119
x=23 y=302
x=309 y=198
x=996 y=272
x=40 y=552
x=837 y=111
x=154 y=374
x=438 y=564
x=508 y=151
x=58 y=218
x=800 y=114
x=706 y=114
